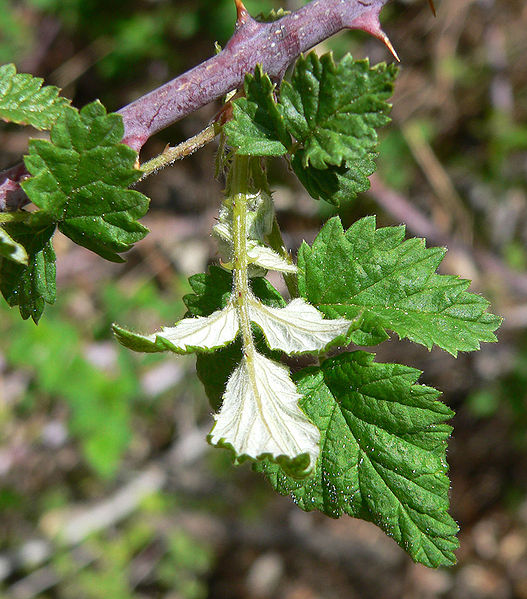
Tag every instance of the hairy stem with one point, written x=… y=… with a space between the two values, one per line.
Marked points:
x=171 y=154
x=239 y=190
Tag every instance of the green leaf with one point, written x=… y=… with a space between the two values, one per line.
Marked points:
x=30 y=287
x=383 y=453
x=333 y=110
x=257 y=127
x=387 y=283
x=213 y=290
x=335 y=184
x=12 y=250
x=23 y=100
x=80 y=180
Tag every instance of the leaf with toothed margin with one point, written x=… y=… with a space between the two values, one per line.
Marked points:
x=383 y=453
x=298 y=328
x=260 y=417
x=80 y=179
x=333 y=110
x=384 y=282
x=25 y=101
x=205 y=333
x=257 y=127
x=30 y=286
x=335 y=184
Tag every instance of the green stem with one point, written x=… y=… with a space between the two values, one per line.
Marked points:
x=171 y=154
x=239 y=190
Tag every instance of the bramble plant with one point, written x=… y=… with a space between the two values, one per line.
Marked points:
x=346 y=435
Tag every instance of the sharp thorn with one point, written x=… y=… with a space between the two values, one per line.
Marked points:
x=384 y=38
x=242 y=14
x=431 y=2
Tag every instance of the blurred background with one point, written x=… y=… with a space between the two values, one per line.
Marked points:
x=107 y=487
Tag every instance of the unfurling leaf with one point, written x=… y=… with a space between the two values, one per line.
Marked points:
x=260 y=417
x=204 y=333
x=297 y=328
x=265 y=257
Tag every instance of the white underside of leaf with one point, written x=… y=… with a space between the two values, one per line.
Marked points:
x=260 y=414
x=297 y=328
x=265 y=257
x=209 y=332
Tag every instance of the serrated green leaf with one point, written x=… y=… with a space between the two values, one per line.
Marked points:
x=383 y=453
x=12 y=250
x=335 y=184
x=80 y=179
x=213 y=290
x=24 y=100
x=257 y=127
x=387 y=283
x=30 y=287
x=333 y=110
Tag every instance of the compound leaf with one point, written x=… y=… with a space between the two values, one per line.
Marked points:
x=80 y=178
x=386 y=283
x=24 y=100
x=383 y=453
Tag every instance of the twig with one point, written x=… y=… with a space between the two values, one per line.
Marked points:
x=273 y=45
